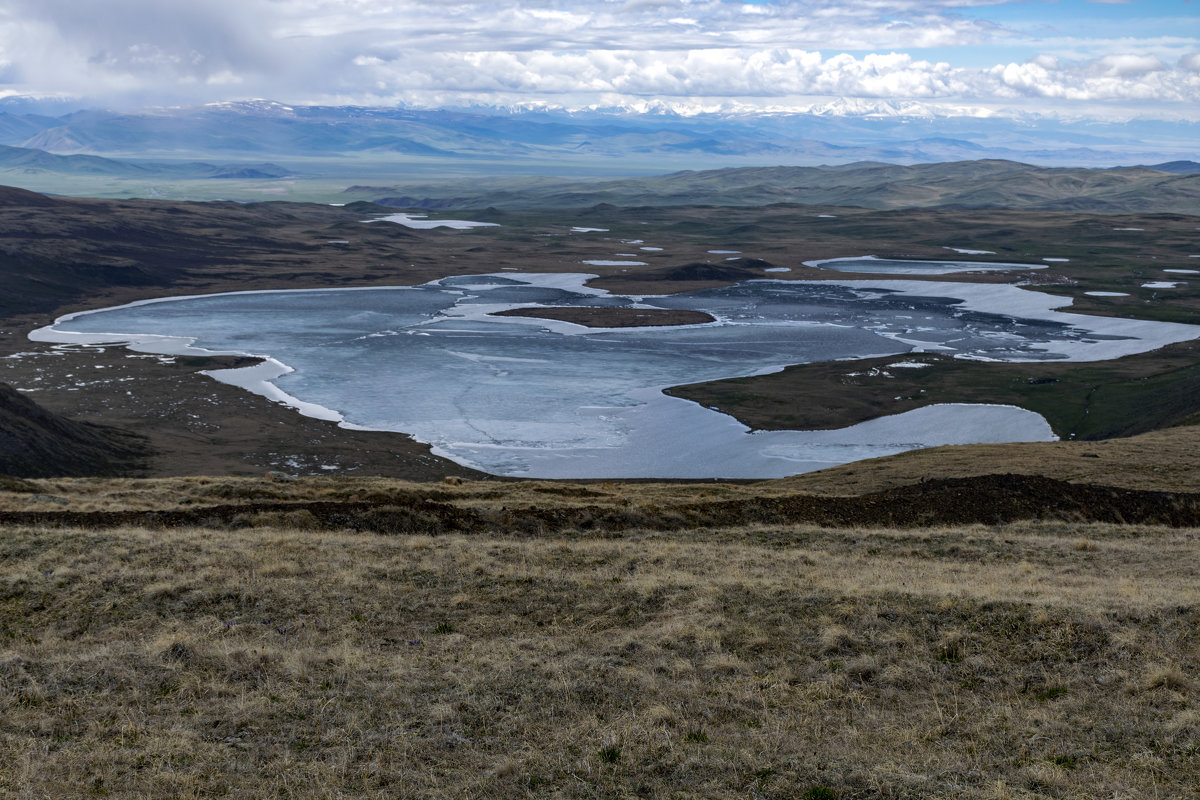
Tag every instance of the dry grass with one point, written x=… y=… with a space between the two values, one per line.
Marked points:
x=1048 y=660
x=1160 y=461
x=1167 y=460
x=119 y=494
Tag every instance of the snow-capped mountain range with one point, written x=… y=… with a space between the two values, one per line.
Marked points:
x=655 y=133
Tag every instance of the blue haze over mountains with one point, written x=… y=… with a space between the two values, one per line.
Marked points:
x=613 y=141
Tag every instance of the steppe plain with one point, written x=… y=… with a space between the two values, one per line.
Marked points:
x=979 y=621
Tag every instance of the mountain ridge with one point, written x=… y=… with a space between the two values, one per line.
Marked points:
x=982 y=183
x=849 y=131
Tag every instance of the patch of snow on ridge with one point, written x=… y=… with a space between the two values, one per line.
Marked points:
x=966 y=252
x=1184 y=271
x=421 y=222
x=1163 y=285
x=1107 y=294
x=589 y=230
x=597 y=263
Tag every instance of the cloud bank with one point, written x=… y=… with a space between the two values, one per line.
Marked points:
x=689 y=54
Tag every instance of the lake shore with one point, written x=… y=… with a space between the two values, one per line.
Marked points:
x=287 y=246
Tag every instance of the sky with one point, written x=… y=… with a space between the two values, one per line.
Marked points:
x=1090 y=59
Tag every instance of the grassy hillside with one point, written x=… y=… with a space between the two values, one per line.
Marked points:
x=284 y=659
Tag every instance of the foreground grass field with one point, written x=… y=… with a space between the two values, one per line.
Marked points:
x=1049 y=659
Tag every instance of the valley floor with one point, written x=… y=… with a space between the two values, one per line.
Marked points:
x=290 y=660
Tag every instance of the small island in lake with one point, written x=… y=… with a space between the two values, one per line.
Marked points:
x=600 y=317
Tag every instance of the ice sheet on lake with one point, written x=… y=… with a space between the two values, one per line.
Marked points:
x=1095 y=338
x=533 y=397
x=659 y=424
x=421 y=222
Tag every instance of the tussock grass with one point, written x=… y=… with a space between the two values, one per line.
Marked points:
x=988 y=662
x=157 y=494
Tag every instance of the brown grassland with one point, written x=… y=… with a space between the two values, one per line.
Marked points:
x=274 y=656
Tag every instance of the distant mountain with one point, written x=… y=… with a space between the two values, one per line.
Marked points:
x=840 y=132
x=27 y=159
x=1178 y=167
x=987 y=183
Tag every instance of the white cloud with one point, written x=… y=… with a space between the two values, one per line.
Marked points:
x=1190 y=62
x=568 y=52
x=1128 y=65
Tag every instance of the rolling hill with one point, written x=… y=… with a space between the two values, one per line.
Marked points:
x=963 y=184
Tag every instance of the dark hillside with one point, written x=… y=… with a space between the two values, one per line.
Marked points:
x=35 y=443
x=55 y=252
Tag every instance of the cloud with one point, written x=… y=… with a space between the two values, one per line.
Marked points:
x=568 y=52
x=722 y=73
x=1128 y=65
x=106 y=46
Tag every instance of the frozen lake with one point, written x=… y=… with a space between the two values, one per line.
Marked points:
x=539 y=398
